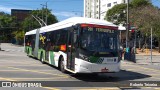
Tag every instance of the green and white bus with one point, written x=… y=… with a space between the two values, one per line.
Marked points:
x=77 y=45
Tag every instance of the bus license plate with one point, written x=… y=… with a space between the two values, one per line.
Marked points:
x=104 y=70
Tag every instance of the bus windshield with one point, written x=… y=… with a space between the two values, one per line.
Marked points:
x=98 y=39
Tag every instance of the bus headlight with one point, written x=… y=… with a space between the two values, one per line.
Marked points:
x=84 y=57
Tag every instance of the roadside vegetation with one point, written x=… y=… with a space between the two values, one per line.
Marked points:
x=142 y=15
x=13 y=31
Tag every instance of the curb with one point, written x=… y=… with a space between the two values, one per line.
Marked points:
x=138 y=63
x=147 y=55
x=16 y=45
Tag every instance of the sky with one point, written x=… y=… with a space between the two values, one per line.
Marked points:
x=62 y=9
x=156 y=3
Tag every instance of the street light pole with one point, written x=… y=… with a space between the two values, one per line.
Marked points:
x=42 y=11
x=99 y=9
x=0 y=39
x=46 y=13
x=78 y=12
x=151 y=44
x=127 y=29
x=0 y=46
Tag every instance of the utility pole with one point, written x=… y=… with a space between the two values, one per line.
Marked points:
x=46 y=5
x=127 y=29
x=151 y=44
x=0 y=46
x=99 y=9
x=78 y=13
x=46 y=13
x=81 y=14
x=42 y=12
x=135 y=40
x=0 y=39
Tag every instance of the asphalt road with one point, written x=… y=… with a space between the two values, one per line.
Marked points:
x=16 y=66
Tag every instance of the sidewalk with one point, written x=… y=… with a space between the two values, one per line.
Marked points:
x=145 y=62
x=144 y=58
x=147 y=52
x=11 y=47
x=155 y=59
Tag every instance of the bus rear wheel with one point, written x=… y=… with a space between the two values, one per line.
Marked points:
x=28 y=52
x=62 y=65
x=42 y=58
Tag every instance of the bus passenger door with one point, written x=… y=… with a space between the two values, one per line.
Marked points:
x=71 y=51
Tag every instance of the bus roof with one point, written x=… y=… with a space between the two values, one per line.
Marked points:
x=31 y=32
x=70 y=22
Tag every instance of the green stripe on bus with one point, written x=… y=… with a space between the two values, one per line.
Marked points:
x=39 y=53
x=52 y=58
x=93 y=59
x=29 y=50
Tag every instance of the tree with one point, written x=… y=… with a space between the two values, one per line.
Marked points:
x=145 y=18
x=6 y=20
x=137 y=3
x=6 y=26
x=30 y=22
x=19 y=36
x=141 y=15
x=116 y=13
x=156 y=25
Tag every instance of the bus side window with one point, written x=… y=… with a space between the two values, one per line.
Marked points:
x=51 y=40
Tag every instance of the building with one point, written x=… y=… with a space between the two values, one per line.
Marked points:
x=20 y=14
x=91 y=8
x=98 y=8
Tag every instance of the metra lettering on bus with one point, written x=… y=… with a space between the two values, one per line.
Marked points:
x=101 y=30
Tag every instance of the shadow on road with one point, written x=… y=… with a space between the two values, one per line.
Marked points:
x=111 y=77
x=1 y=50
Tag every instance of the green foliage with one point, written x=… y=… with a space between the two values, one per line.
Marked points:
x=156 y=25
x=5 y=20
x=19 y=35
x=6 y=26
x=10 y=28
x=142 y=14
x=116 y=13
x=137 y=3
x=116 y=9
x=144 y=18
x=31 y=23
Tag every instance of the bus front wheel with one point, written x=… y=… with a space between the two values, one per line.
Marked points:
x=62 y=65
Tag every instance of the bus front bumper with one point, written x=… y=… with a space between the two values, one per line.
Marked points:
x=86 y=67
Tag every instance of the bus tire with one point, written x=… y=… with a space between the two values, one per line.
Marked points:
x=42 y=58
x=28 y=51
x=62 y=65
